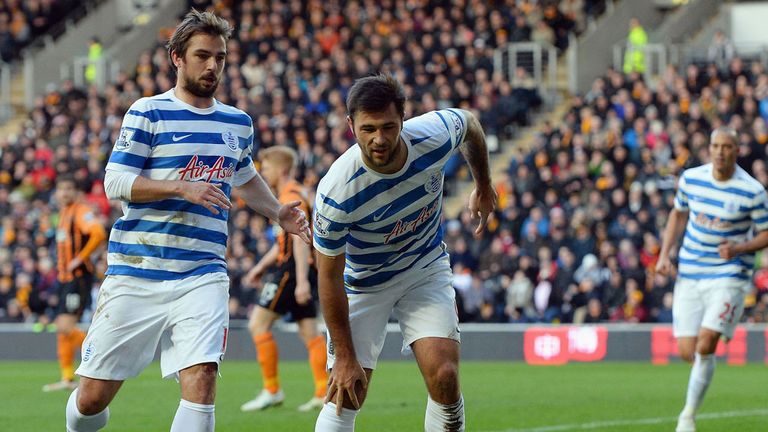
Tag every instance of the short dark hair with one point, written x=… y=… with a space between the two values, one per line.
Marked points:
x=196 y=22
x=375 y=94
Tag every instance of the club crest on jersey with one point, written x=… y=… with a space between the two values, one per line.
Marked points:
x=124 y=139
x=321 y=225
x=434 y=183
x=230 y=139
x=197 y=170
x=732 y=207
x=88 y=352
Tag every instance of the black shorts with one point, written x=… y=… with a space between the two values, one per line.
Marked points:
x=75 y=296
x=278 y=293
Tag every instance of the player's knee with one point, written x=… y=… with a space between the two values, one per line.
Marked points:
x=259 y=326
x=706 y=347
x=445 y=380
x=687 y=356
x=90 y=403
x=198 y=383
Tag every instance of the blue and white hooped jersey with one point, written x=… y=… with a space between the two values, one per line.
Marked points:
x=389 y=224
x=163 y=138
x=718 y=211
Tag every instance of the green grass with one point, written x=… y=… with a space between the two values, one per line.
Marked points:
x=499 y=397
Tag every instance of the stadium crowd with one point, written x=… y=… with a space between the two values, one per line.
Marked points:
x=22 y=22
x=576 y=235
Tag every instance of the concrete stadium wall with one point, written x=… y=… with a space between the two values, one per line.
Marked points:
x=497 y=342
x=107 y=22
x=685 y=22
x=594 y=51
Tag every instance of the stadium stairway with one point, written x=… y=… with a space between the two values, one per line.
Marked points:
x=20 y=112
x=521 y=143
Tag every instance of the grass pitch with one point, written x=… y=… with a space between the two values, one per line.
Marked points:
x=500 y=397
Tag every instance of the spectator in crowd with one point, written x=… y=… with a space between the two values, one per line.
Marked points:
x=634 y=56
x=721 y=50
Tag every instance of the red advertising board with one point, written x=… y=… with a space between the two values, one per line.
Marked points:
x=556 y=346
x=587 y=343
x=546 y=346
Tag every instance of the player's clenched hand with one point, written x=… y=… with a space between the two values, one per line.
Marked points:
x=293 y=220
x=303 y=292
x=342 y=382
x=727 y=250
x=208 y=195
x=481 y=204
x=663 y=265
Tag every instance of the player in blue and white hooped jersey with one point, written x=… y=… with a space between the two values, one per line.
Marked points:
x=380 y=250
x=725 y=215
x=177 y=158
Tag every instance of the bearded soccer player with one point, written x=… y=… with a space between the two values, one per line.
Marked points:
x=380 y=251
x=178 y=156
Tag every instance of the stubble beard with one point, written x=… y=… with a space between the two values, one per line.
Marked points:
x=197 y=89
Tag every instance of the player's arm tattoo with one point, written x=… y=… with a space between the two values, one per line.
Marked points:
x=475 y=151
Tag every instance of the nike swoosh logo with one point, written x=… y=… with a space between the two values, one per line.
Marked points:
x=376 y=217
x=179 y=138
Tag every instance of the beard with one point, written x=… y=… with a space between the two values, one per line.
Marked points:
x=197 y=88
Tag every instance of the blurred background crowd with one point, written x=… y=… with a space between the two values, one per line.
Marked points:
x=576 y=236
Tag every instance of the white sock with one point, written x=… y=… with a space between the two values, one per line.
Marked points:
x=79 y=422
x=328 y=421
x=448 y=418
x=701 y=375
x=193 y=417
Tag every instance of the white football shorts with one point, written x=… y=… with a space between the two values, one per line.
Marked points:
x=424 y=308
x=715 y=304
x=188 y=318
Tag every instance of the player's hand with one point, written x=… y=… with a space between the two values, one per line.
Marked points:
x=481 y=204
x=727 y=250
x=75 y=263
x=303 y=292
x=253 y=277
x=208 y=195
x=663 y=265
x=343 y=381
x=294 y=221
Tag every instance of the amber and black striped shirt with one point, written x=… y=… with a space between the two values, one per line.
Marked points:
x=293 y=191
x=78 y=234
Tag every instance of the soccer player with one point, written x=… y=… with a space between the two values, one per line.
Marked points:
x=78 y=235
x=289 y=292
x=380 y=250
x=721 y=204
x=177 y=158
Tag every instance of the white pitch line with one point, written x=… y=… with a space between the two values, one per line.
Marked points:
x=645 y=421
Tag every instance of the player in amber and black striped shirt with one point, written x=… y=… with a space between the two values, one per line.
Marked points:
x=78 y=235
x=287 y=290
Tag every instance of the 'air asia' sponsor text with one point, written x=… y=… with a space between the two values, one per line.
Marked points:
x=402 y=227
x=197 y=170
